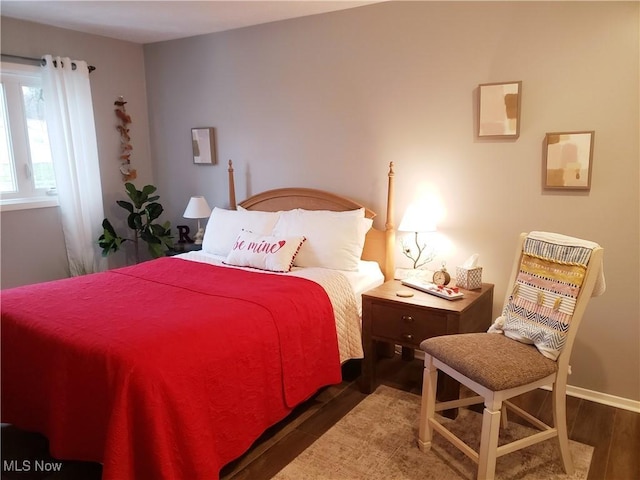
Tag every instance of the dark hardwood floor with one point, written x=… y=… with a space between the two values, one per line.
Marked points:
x=614 y=433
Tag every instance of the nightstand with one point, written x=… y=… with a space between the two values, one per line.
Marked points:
x=390 y=319
x=182 y=248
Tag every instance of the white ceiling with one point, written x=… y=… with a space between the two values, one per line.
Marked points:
x=154 y=21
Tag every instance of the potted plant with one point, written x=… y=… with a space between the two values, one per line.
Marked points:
x=143 y=210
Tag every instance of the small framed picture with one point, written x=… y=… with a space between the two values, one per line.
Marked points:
x=203 y=141
x=568 y=157
x=499 y=110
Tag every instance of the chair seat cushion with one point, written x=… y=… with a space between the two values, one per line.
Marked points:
x=492 y=360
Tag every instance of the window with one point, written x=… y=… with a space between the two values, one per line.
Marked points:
x=27 y=178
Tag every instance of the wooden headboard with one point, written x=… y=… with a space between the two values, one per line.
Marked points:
x=378 y=244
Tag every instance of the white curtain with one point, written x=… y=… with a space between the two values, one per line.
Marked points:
x=72 y=136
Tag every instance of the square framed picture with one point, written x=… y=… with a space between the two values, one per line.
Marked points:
x=499 y=110
x=203 y=141
x=568 y=158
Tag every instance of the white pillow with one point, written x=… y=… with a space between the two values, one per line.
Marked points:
x=334 y=239
x=224 y=226
x=266 y=252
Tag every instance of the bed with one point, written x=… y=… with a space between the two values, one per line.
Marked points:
x=173 y=367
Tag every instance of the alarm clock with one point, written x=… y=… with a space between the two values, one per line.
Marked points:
x=441 y=277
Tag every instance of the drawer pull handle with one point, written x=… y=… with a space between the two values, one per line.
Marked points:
x=407 y=318
x=407 y=336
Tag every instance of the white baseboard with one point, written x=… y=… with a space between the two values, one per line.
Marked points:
x=591 y=395
x=603 y=398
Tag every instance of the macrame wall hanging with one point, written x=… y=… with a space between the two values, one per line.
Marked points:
x=128 y=173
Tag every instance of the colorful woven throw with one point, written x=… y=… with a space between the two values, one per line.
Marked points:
x=543 y=298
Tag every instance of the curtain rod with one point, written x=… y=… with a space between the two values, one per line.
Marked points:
x=40 y=61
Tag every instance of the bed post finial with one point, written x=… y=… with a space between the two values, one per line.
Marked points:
x=232 y=187
x=389 y=228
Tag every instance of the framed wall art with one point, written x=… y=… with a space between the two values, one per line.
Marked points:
x=499 y=110
x=203 y=141
x=568 y=157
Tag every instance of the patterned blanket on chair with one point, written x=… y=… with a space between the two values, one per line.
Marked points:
x=542 y=302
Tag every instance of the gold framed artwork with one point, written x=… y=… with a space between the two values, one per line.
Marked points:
x=568 y=158
x=499 y=110
x=203 y=142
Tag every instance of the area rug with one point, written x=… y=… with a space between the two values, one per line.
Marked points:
x=378 y=440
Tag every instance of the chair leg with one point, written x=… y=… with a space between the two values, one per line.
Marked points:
x=504 y=419
x=560 y=422
x=489 y=441
x=428 y=404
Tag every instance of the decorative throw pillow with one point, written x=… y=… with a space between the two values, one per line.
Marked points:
x=543 y=298
x=266 y=252
x=335 y=240
x=224 y=226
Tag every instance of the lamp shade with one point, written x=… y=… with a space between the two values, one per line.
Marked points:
x=197 y=208
x=417 y=218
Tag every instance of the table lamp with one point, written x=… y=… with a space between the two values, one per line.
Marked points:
x=417 y=219
x=197 y=208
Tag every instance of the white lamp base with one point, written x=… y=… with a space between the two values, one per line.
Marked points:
x=197 y=238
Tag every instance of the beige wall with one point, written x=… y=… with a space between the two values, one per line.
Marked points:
x=32 y=244
x=328 y=101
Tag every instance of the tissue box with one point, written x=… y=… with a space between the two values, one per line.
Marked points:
x=469 y=278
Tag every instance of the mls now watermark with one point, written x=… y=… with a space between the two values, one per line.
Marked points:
x=31 y=466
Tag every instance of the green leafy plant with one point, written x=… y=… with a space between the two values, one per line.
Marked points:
x=143 y=210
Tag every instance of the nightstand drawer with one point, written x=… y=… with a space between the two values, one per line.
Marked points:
x=406 y=325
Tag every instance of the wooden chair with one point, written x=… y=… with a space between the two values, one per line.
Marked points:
x=528 y=347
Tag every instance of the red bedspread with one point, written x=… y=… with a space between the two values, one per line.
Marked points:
x=168 y=369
